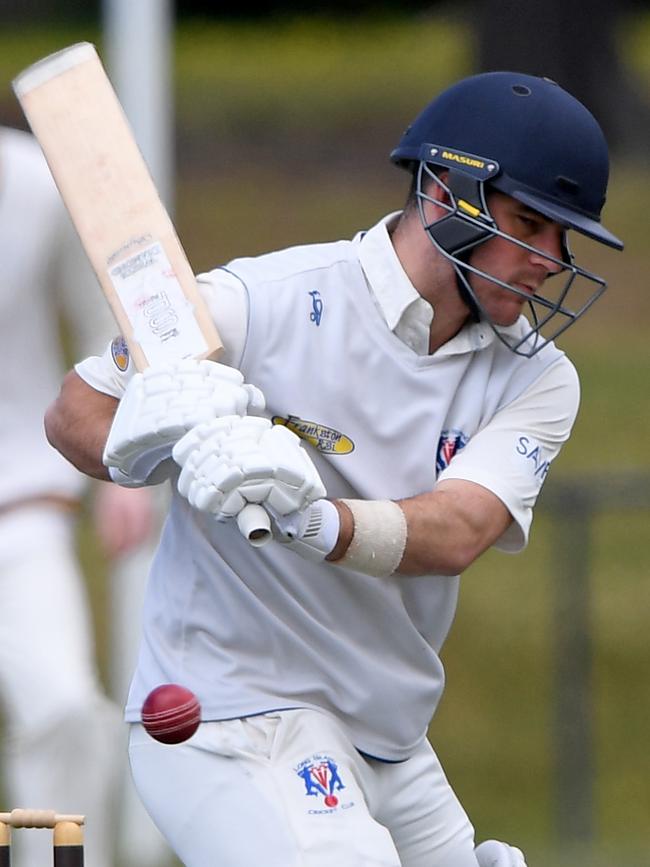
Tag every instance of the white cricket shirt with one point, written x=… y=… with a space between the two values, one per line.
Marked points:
x=250 y=630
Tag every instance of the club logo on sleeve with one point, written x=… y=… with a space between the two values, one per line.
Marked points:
x=321 y=777
x=325 y=439
x=531 y=451
x=450 y=443
x=120 y=353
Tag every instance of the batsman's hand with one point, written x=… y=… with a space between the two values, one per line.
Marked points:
x=161 y=405
x=493 y=853
x=231 y=462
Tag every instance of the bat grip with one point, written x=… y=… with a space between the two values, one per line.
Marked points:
x=255 y=525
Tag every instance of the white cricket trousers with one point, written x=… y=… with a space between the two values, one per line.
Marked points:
x=62 y=738
x=288 y=789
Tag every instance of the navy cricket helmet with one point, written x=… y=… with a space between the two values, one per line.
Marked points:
x=528 y=138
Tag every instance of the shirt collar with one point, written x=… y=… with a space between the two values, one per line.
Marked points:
x=405 y=311
x=390 y=285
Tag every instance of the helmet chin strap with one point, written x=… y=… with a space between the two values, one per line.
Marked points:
x=466 y=297
x=455 y=234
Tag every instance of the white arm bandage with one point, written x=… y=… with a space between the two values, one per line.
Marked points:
x=378 y=540
x=379 y=537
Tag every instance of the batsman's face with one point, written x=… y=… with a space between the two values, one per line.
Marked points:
x=524 y=269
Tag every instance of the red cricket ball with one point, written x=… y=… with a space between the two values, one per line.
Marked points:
x=171 y=713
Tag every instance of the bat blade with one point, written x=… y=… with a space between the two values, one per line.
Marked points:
x=124 y=227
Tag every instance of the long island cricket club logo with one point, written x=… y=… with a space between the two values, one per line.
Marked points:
x=327 y=440
x=321 y=777
x=450 y=443
x=316 y=307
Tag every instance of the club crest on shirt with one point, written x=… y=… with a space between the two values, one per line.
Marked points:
x=325 y=439
x=120 y=353
x=450 y=443
x=321 y=777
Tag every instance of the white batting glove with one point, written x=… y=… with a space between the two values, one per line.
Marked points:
x=230 y=462
x=492 y=853
x=161 y=405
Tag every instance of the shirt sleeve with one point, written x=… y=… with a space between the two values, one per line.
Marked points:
x=227 y=301
x=512 y=454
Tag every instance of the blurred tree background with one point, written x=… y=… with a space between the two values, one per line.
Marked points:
x=284 y=122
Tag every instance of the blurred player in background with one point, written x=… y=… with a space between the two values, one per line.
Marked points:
x=63 y=739
x=407 y=401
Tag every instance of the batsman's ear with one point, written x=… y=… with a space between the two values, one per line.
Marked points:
x=435 y=185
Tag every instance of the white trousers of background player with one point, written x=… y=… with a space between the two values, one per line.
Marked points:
x=62 y=735
x=138 y=839
x=288 y=789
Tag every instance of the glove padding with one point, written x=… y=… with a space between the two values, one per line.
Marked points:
x=492 y=853
x=230 y=462
x=162 y=404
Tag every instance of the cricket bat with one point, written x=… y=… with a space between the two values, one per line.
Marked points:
x=125 y=229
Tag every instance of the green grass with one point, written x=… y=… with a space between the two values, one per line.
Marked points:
x=634 y=41
x=304 y=69
x=310 y=72
x=301 y=71
x=494 y=727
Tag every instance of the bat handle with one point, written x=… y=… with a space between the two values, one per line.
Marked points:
x=255 y=525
